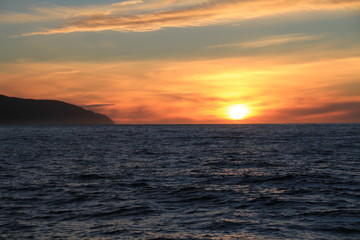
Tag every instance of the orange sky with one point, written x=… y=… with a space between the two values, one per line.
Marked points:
x=289 y=63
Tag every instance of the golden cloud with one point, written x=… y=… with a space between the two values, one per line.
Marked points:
x=199 y=90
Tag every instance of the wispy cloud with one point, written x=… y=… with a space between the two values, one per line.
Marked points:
x=15 y=17
x=332 y=112
x=140 y=16
x=126 y=3
x=269 y=41
x=98 y=105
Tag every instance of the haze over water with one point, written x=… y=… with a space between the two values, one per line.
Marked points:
x=180 y=182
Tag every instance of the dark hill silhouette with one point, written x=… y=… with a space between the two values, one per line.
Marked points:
x=19 y=111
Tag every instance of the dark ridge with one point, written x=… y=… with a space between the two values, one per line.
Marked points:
x=19 y=111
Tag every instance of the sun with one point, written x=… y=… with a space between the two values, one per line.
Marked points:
x=238 y=112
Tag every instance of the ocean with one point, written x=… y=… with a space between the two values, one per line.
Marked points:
x=285 y=181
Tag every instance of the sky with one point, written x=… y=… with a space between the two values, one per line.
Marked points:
x=187 y=61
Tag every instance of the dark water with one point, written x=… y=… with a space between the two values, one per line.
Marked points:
x=180 y=182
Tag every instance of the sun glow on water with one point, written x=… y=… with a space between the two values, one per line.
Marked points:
x=238 y=112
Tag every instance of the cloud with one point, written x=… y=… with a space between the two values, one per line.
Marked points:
x=345 y=112
x=351 y=88
x=188 y=97
x=126 y=3
x=14 y=17
x=199 y=90
x=344 y=108
x=270 y=41
x=98 y=105
x=140 y=16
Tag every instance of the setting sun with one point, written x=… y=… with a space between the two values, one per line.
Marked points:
x=238 y=112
